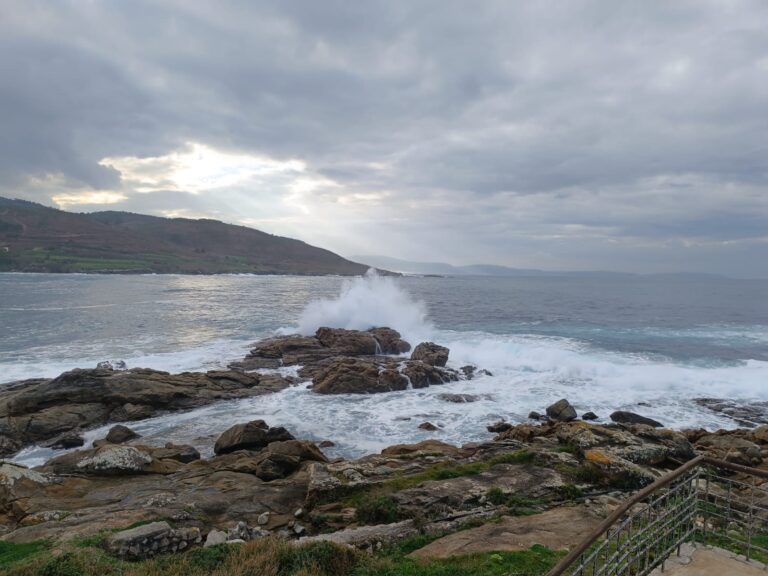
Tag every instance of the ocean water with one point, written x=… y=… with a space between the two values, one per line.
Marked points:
x=649 y=344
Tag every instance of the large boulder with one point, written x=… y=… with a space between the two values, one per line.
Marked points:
x=325 y=344
x=357 y=376
x=390 y=341
x=431 y=353
x=39 y=410
x=623 y=417
x=253 y=435
x=120 y=434
x=561 y=411
x=421 y=374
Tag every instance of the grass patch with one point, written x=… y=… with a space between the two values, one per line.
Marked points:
x=536 y=561
x=11 y=553
x=377 y=510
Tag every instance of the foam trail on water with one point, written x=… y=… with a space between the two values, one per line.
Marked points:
x=364 y=303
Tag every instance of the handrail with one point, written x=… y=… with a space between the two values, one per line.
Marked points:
x=663 y=481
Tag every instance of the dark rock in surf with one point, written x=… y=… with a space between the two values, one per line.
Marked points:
x=499 y=427
x=533 y=415
x=589 y=416
x=65 y=441
x=562 y=411
x=357 y=376
x=120 y=434
x=458 y=398
x=623 y=417
x=431 y=353
x=326 y=343
x=253 y=435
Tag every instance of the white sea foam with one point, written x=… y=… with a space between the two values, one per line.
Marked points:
x=529 y=372
x=367 y=302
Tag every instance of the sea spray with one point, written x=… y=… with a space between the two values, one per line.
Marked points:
x=367 y=302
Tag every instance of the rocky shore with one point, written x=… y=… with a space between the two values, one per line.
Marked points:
x=135 y=501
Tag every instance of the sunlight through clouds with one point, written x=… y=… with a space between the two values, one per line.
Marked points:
x=197 y=168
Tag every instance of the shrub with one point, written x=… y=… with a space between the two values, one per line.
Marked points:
x=377 y=510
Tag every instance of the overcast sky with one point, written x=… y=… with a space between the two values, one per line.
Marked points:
x=559 y=135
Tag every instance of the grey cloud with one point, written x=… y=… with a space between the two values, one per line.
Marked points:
x=501 y=132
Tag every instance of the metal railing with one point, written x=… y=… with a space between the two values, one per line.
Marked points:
x=705 y=500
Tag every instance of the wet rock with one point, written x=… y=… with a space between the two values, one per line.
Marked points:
x=65 y=441
x=421 y=374
x=749 y=415
x=499 y=426
x=253 y=435
x=589 y=416
x=112 y=365
x=357 y=376
x=431 y=353
x=623 y=417
x=327 y=444
x=41 y=409
x=428 y=426
x=326 y=343
x=458 y=398
x=390 y=341
x=120 y=434
x=562 y=411
x=183 y=453
x=533 y=415
x=129 y=411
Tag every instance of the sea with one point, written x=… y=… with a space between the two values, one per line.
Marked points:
x=648 y=344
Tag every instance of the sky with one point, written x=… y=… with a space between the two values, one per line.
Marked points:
x=580 y=135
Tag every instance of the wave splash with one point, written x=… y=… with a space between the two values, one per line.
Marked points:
x=367 y=302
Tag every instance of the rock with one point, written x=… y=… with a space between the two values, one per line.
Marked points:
x=557 y=529
x=428 y=426
x=750 y=414
x=431 y=353
x=390 y=341
x=253 y=435
x=129 y=411
x=562 y=411
x=427 y=447
x=33 y=411
x=109 y=365
x=499 y=426
x=215 y=537
x=112 y=460
x=263 y=519
x=533 y=415
x=357 y=376
x=325 y=344
x=623 y=417
x=327 y=444
x=589 y=416
x=458 y=398
x=183 y=453
x=120 y=434
x=151 y=539
x=420 y=374
x=65 y=441
x=731 y=449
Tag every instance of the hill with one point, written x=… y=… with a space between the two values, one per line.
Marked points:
x=409 y=267
x=35 y=238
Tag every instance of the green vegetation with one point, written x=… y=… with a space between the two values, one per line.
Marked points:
x=275 y=557
x=377 y=510
x=11 y=553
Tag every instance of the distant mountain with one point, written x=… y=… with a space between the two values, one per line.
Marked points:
x=35 y=238
x=441 y=268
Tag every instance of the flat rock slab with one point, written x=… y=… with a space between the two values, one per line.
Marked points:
x=701 y=561
x=558 y=529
